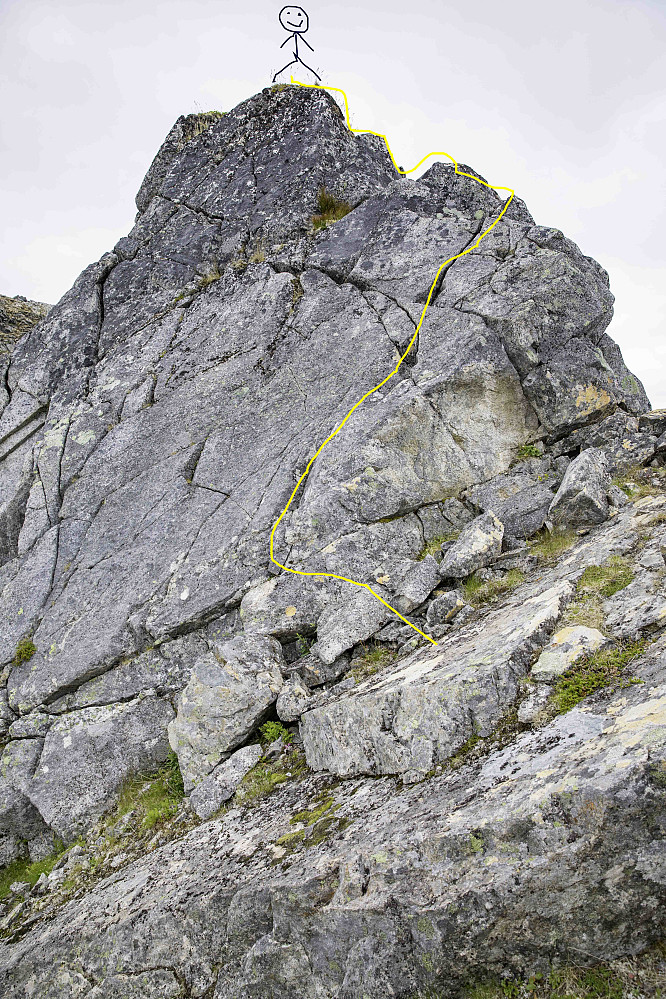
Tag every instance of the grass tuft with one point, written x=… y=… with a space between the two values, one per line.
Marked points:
x=155 y=797
x=331 y=209
x=478 y=592
x=28 y=870
x=265 y=777
x=371 y=662
x=546 y=547
x=606 y=579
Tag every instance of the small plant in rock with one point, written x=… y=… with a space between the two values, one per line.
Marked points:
x=331 y=209
x=303 y=644
x=433 y=547
x=546 y=547
x=526 y=451
x=265 y=777
x=155 y=797
x=371 y=661
x=477 y=591
x=25 y=650
x=603 y=668
x=272 y=730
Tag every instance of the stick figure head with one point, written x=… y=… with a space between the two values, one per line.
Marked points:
x=294 y=19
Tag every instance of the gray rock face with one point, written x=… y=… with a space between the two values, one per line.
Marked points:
x=223 y=701
x=153 y=427
x=582 y=499
x=355 y=913
x=211 y=792
x=18 y=315
x=564 y=648
x=479 y=543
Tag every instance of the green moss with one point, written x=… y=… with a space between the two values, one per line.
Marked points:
x=25 y=650
x=547 y=547
x=371 y=662
x=25 y=869
x=606 y=579
x=155 y=797
x=432 y=547
x=626 y=978
x=331 y=209
x=478 y=592
x=528 y=451
x=265 y=777
x=603 y=668
x=320 y=822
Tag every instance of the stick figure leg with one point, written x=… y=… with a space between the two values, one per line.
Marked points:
x=292 y=63
x=310 y=68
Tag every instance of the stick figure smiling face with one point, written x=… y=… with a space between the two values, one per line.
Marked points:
x=294 y=19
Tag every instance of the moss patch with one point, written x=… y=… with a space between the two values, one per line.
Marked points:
x=478 y=592
x=603 y=668
x=266 y=776
x=433 y=547
x=319 y=823
x=25 y=650
x=25 y=869
x=626 y=978
x=371 y=662
x=547 y=547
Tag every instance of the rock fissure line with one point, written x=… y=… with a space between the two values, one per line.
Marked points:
x=431 y=292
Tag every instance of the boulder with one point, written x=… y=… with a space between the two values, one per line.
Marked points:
x=444 y=608
x=223 y=702
x=292 y=701
x=582 y=499
x=477 y=546
x=211 y=792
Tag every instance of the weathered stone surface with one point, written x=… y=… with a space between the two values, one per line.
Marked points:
x=582 y=498
x=225 y=698
x=520 y=499
x=564 y=648
x=18 y=315
x=211 y=792
x=479 y=543
x=292 y=701
x=86 y=756
x=352 y=913
x=418 y=714
x=445 y=607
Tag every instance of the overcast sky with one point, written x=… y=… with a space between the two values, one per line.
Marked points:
x=565 y=102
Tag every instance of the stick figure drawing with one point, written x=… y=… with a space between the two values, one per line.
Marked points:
x=295 y=20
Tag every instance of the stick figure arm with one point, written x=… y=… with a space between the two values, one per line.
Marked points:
x=307 y=43
x=288 y=39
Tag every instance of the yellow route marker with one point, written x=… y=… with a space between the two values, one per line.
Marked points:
x=332 y=575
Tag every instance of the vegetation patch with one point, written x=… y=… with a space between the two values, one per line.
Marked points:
x=318 y=822
x=603 y=668
x=433 y=547
x=627 y=978
x=606 y=579
x=272 y=730
x=526 y=451
x=266 y=776
x=25 y=650
x=26 y=870
x=371 y=662
x=477 y=591
x=331 y=209
x=638 y=481
x=154 y=797
x=547 y=547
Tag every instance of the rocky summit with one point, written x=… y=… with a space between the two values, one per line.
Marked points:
x=223 y=780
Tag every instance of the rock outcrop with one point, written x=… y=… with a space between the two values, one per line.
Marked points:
x=436 y=811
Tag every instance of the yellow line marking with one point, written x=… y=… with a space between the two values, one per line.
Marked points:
x=332 y=575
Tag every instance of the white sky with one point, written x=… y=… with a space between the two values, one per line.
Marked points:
x=565 y=102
